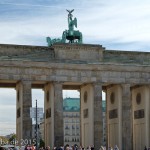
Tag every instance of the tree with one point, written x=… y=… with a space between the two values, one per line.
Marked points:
x=42 y=143
x=3 y=140
x=12 y=139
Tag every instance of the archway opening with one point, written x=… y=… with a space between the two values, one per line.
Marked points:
x=71 y=117
x=7 y=112
x=38 y=94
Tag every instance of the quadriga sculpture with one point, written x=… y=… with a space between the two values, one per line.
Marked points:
x=73 y=36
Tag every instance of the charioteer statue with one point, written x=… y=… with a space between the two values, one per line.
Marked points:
x=70 y=35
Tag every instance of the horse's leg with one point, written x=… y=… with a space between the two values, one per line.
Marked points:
x=63 y=37
x=80 y=38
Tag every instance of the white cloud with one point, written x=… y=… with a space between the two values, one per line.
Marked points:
x=71 y=93
x=7 y=127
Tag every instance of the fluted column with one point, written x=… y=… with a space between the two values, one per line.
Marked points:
x=98 y=118
x=18 y=113
x=127 y=142
x=27 y=103
x=24 y=102
x=58 y=115
x=48 y=122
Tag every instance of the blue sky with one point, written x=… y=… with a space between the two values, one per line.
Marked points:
x=115 y=24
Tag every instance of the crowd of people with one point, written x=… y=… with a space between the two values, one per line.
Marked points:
x=66 y=147
x=76 y=147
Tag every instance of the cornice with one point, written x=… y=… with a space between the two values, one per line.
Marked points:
x=67 y=46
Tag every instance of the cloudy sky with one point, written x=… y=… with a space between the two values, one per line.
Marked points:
x=8 y=108
x=115 y=24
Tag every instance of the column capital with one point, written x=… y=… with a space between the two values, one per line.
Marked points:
x=57 y=82
x=25 y=81
x=97 y=83
x=92 y=83
x=125 y=85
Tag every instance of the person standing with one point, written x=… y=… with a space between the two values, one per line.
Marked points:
x=101 y=148
x=116 y=147
x=145 y=148
x=32 y=147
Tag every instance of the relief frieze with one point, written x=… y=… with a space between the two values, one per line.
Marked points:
x=139 y=114
x=113 y=114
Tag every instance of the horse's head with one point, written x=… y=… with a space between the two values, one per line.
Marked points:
x=49 y=41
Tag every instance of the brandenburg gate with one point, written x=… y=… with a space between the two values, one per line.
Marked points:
x=123 y=75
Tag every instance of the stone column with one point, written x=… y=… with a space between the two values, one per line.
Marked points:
x=127 y=141
x=18 y=113
x=27 y=103
x=98 y=118
x=58 y=115
x=23 y=111
x=49 y=115
x=140 y=115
